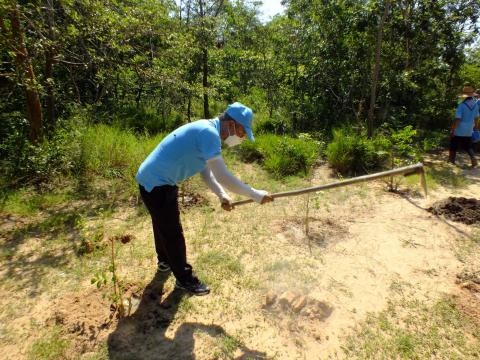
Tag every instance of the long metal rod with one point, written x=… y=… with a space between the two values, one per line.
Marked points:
x=406 y=171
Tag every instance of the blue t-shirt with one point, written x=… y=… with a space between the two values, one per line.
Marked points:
x=467 y=112
x=181 y=154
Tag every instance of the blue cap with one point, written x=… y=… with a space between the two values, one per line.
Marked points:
x=243 y=115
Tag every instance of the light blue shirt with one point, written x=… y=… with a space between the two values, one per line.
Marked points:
x=467 y=112
x=181 y=154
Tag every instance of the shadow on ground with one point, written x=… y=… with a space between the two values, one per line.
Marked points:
x=143 y=334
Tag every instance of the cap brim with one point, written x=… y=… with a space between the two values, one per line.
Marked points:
x=249 y=133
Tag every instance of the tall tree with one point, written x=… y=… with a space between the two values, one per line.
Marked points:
x=376 y=68
x=14 y=33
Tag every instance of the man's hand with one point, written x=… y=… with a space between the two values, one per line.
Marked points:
x=227 y=204
x=266 y=199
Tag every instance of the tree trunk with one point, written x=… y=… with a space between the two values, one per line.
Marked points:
x=206 y=112
x=24 y=67
x=189 y=108
x=376 y=69
x=49 y=62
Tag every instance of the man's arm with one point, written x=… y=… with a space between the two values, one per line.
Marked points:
x=454 y=126
x=213 y=185
x=224 y=177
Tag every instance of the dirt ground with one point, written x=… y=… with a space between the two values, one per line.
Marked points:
x=302 y=290
x=459 y=209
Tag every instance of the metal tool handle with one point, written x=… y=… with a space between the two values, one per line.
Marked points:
x=406 y=171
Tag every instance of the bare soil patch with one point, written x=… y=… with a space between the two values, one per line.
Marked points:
x=469 y=298
x=86 y=318
x=318 y=231
x=465 y=210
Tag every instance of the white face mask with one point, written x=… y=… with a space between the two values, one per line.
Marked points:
x=233 y=140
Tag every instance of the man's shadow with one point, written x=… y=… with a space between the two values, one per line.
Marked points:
x=143 y=334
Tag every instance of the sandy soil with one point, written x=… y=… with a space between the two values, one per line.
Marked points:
x=363 y=246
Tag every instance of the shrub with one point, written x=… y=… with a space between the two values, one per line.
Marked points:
x=349 y=153
x=113 y=152
x=281 y=155
x=248 y=152
x=273 y=125
x=23 y=162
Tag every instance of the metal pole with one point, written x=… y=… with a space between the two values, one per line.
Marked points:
x=406 y=171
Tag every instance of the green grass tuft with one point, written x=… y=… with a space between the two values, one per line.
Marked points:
x=50 y=347
x=415 y=330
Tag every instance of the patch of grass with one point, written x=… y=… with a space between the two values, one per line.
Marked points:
x=220 y=261
x=228 y=345
x=113 y=152
x=446 y=177
x=50 y=347
x=26 y=202
x=476 y=237
x=279 y=266
x=416 y=330
x=466 y=248
x=6 y=254
x=101 y=354
x=185 y=306
x=281 y=155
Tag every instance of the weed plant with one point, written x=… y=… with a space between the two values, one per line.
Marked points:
x=281 y=155
x=351 y=153
x=50 y=347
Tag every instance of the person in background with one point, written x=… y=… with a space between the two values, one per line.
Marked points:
x=466 y=120
x=192 y=148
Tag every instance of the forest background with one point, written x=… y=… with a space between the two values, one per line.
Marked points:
x=76 y=73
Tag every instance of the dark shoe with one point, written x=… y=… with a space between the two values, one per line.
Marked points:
x=162 y=266
x=194 y=286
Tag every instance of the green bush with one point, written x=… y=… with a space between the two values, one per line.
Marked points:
x=140 y=118
x=113 y=152
x=350 y=153
x=281 y=155
x=248 y=152
x=24 y=162
x=273 y=125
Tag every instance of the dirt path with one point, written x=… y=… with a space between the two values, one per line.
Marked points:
x=374 y=246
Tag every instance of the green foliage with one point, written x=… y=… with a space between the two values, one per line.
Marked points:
x=222 y=262
x=282 y=155
x=50 y=347
x=423 y=331
x=143 y=119
x=249 y=151
x=27 y=202
x=352 y=153
x=100 y=279
x=275 y=125
x=434 y=140
x=470 y=72
x=28 y=163
x=308 y=70
x=113 y=152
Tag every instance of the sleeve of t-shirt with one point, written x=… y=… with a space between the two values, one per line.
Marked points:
x=208 y=144
x=458 y=113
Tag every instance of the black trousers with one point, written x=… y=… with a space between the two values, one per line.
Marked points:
x=461 y=142
x=162 y=204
